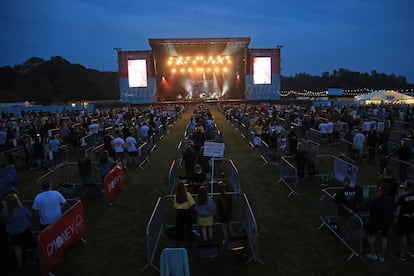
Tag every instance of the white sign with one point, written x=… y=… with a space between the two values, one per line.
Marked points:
x=213 y=149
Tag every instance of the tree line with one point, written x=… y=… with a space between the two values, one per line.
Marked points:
x=58 y=81
x=346 y=79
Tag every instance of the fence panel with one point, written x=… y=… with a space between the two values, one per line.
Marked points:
x=288 y=175
x=250 y=225
x=349 y=230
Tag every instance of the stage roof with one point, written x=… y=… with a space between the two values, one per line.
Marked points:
x=197 y=46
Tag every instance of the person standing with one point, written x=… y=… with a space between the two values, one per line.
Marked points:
x=49 y=204
x=224 y=205
x=405 y=221
x=404 y=153
x=85 y=168
x=372 y=142
x=184 y=204
x=18 y=220
x=358 y=145
x=104 y=164
x=118 y=144
x=205 y=209
x=347 y=199
x=131 y=146
x=381 y=217
x=301 y=157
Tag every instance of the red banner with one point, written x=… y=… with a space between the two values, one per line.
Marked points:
x=59 y=236
x=113 y=181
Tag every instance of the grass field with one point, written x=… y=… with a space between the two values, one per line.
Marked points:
x=290 y=242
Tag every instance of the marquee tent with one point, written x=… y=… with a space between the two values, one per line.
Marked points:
x=384 y=97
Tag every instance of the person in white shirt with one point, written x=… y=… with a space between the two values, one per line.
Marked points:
x=358 y=144
x=49 y=204
x=131 y=146
x=323 y=128
x=366 y=126
x=94 y=128
x=118 y=145
x=143 y=132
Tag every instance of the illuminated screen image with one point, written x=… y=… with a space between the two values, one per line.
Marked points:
x=262 y=70
x=137 y=73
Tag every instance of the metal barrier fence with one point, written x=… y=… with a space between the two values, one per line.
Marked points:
x=348 y=229
x=172 y=176
x=224 y=171
x=87 y=142
x=144 y=151
x=314 y=135
x=250 y=226
x=234 y=177
x=288 y=175
x=65 y=177
x=401 y=170
x=163 y=217
x=153 y=232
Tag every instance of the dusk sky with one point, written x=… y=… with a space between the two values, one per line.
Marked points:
x=318 y=36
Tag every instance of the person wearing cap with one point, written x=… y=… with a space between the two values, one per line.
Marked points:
x=49 y=204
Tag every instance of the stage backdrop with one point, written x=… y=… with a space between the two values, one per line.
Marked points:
x=263 y=74
x=136 y=77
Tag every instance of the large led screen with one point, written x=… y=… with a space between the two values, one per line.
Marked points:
x=137 y=73
x=262 y=70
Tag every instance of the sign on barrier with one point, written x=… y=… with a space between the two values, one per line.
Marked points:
x=343 y=169
x=113 y=182
x=213 y=149
x=61 y=235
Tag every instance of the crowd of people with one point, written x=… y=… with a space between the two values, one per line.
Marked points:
x=367 y=131
x=201 y=128
x=121 y=130
x=41 y=136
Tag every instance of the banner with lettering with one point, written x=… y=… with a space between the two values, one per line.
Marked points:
x=113 y=181
x=59 y=236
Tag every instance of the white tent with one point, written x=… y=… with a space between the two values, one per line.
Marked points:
x=384 y=97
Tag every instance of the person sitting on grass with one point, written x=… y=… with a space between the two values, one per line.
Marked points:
x=205 y=209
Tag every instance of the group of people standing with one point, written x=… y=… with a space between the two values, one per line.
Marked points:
x=391 y=210
x=204 y=208
x=197 y=168
x=17 y=220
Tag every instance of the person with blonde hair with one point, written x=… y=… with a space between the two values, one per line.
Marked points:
x=205 y=209
x=18 y=220
x=184 y=204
